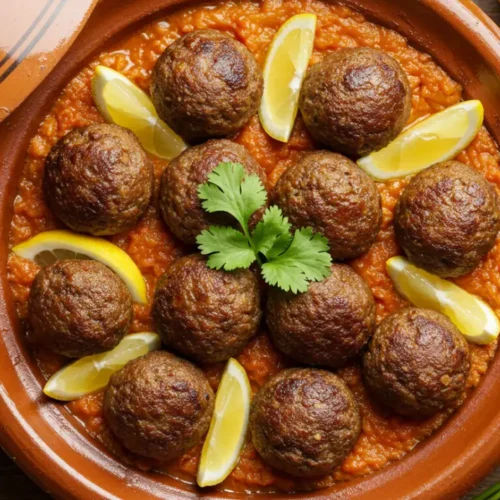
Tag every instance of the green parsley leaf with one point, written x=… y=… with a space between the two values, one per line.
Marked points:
x=281 y=244
x=291 y=262
x=230 y=190
x=272 y=233
x=306 y=259
x=226 y=247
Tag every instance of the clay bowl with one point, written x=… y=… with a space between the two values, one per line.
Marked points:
x=54 y=448
x=34 y=37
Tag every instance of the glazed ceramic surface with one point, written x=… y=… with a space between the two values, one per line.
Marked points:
x=33 y=40
x=53 y=446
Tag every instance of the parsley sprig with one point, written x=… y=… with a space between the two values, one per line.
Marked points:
x=288 y=261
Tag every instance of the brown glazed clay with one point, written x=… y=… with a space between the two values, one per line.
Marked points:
x=53 y=447
x=35 y=35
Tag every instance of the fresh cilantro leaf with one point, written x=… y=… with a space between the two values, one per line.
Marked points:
x=292 y=261
x=230 y=190
x=306 y=259
x=272 y=233
x=281 y=244
x=289 y=279
x=226 y=247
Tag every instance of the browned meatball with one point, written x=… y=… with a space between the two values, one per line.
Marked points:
x=304 y=421
x=447 y=219
x=180 y=204
x=331 y=194
x=204 y=314
x=417 y=363
x=328 y=324
x=98 y=179
x=206 y=84
x=79 y=307
x=356 y=100
x=159 y=406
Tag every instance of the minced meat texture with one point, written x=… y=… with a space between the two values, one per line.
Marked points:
x=332 y=195
x=356 y=100
x=98 y=179
x=78 y=307
x=304 y=421
x=447 y=219
x=328 y=324
x=159 y=406
x=204 y=314
x=417 y=363
x=206 y=84
x=180 y=204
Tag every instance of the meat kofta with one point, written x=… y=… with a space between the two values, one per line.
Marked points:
x=328 y=324
x=447 y=219
x=159 y=406
x=79 y=307
x=181 y=207
x=98 y=179
x=304 y=421
x=204 y=314
x=417 y=363
x=331 y=194
x=206 y=84
x=356 y=101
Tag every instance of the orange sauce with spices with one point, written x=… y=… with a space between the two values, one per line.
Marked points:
x=384 y=437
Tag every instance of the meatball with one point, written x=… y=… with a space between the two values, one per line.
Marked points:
x=159 y=406
x=417 y=363
x=204 y=314
x=179 y=201
x=328 y=324
x=447 y=219
x=98 y=179
x=356 y=101
x=331 y=194
x=304 y=421
x=206 y=84
x=79 y=307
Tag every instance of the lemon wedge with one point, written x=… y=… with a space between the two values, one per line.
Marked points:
x=284 y=72
x=228 y=427
x=123 y=103
x=92 y=373
x=47 y=247
x=438 y=138
x=473 y=317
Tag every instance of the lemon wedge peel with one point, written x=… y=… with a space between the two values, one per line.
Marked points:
x=284 y=71
x=95 y=248
x=91 y=373
x=228 y=428
x=471 y=315
x=438 y=138
x=123 y=103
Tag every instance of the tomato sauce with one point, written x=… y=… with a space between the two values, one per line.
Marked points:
x=384 y=437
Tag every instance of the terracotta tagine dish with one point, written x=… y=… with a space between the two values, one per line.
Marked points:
x=250 y=249
x=35 y=35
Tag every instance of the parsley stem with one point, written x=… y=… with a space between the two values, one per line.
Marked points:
x=246 y=232
x=490 y=493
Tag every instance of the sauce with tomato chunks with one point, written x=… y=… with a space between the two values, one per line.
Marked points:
x=385 y=437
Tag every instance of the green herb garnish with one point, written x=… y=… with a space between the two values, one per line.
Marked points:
x=492 y=493
x=288 y=261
